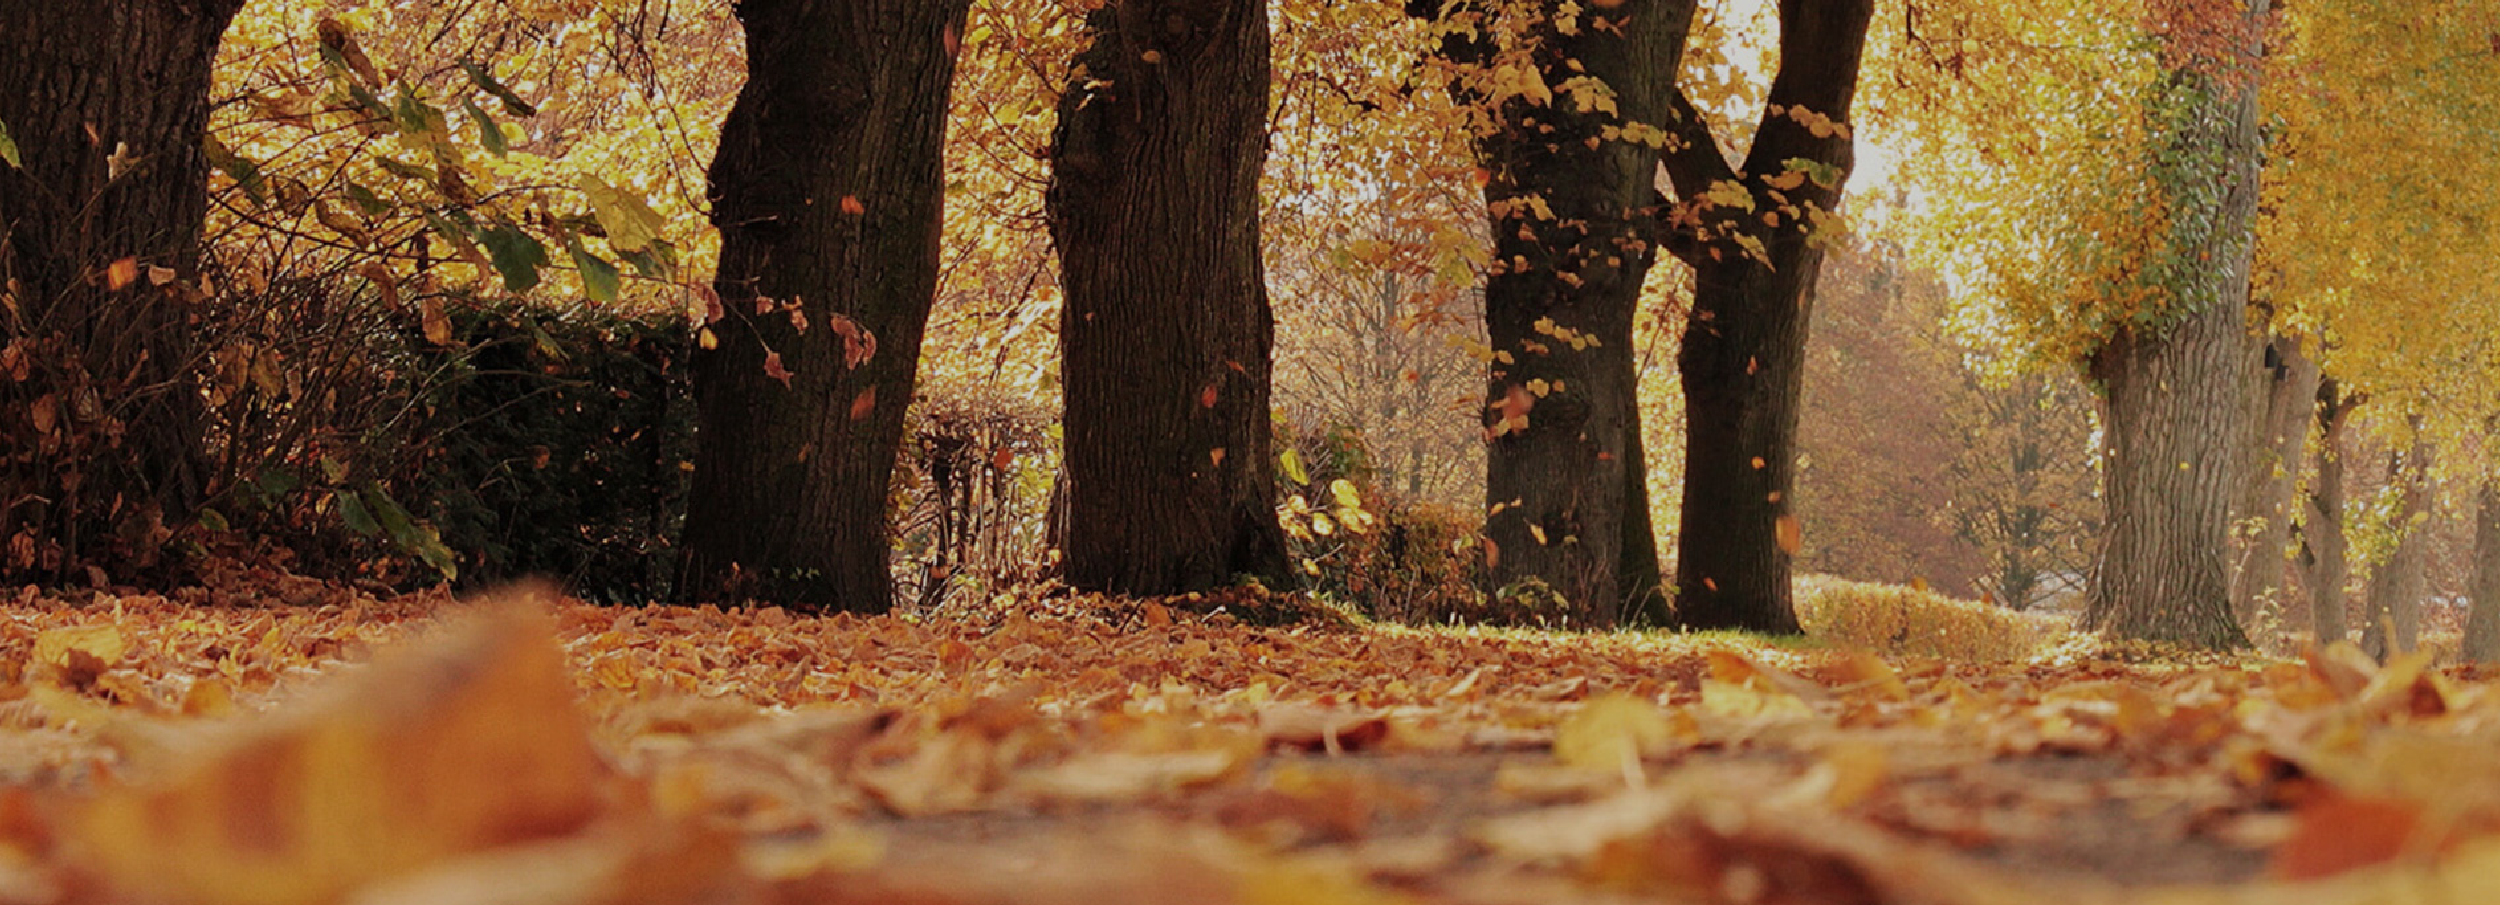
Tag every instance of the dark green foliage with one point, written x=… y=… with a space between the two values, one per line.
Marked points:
x=556 y=448
x=539 y=441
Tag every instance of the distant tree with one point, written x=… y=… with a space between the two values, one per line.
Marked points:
x=1884 y=391
x=103 y=185
x=2286 y=398
x=1166 y=329
x=827 y=189
x=2323 y=557
x=1361 y=358
x=1753 y=232
x=2391 y=620
x=1919 y=459
x=2482 y=625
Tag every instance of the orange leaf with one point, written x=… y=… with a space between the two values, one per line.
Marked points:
x=1791 y=534
x=122 y=273
x=865 y=403
x=774 y=370
x=2344 y=833
x=851 y=205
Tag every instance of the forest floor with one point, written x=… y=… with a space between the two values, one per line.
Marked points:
x=282 y=741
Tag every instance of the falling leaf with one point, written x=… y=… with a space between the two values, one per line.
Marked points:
x=851 y=205
x=121 y=273
x=1791 y=535
x=864 y=403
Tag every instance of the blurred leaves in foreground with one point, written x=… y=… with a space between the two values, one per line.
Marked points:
x=522 y=747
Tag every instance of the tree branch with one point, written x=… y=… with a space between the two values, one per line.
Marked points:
x=1692 y=159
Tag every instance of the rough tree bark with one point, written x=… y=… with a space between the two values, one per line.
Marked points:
x=827 y=189
x=1166 y=331
x=2175 y=405
x=1573 y=214
x=2397 y=586
x=2324 y=565
x=100 y=446
x=1743 y=359
x=2289 y=386
x=2482 y=626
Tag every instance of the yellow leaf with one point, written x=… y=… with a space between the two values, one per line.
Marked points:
x=1612 y=732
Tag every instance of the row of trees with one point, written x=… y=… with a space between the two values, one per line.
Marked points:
x=2122 y=234
x=2240 y=221
x=827 y=190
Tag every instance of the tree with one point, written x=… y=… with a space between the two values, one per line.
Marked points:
x=1572 y=104
x=2172 y=382
x=2391 y=621
x=1754 y=237
x=103 y=185
x=2482 y=626
x=2323 y=551
x=1154 y=204
x=827 y=189
x=2288 y=386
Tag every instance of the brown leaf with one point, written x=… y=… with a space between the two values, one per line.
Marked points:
x=464 y=742
x=864 y=404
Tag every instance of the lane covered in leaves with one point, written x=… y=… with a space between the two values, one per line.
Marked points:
x=304 y=744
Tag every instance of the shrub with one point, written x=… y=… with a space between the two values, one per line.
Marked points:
x=1894 y=619
x=531 y=440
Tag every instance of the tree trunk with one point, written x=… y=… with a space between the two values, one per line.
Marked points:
x=1573 y=213
x=2326 y=570
x=1743 y=360
x=1154 y=203
x=2176 y=405
x=2482 y=626
x=827 y=189
x=2397 y=586
x=100 y=442
x=2290 y=388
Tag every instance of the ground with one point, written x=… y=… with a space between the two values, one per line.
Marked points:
x=289 y=742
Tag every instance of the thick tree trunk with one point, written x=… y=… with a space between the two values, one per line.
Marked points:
x=2290 y=390
x=1743 y=360
x=2326 y=568
x=100 y=443
x=2176 y=406
x=2482 y=626
x=1573 y=214
x=1154 y=204
x=827 y=189
x=2397 y=586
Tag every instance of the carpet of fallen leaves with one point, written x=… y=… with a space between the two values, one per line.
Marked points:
x=311 y=745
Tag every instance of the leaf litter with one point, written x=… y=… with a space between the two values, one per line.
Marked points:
x=310 y=745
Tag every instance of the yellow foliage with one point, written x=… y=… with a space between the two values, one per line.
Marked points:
x=1895 y=619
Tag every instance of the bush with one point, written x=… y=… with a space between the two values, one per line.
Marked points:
x=535 y=441
x=1894 y=619
x=1389 y=559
